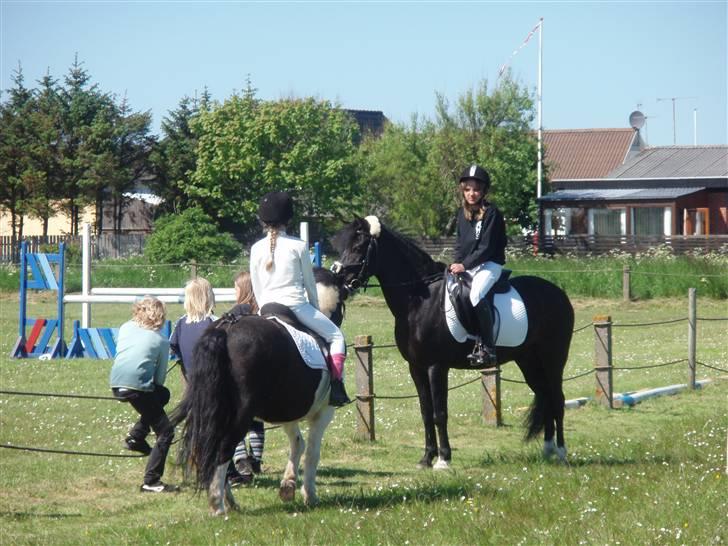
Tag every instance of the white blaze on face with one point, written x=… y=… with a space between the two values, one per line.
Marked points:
x=375 y=227
x=328 y=297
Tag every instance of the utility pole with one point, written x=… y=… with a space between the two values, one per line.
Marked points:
x=673 y=99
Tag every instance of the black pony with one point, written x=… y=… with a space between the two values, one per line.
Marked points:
x=414 y=289
x=247 y=367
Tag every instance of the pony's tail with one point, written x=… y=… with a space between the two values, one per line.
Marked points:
x=536 y=418
x=208 y=406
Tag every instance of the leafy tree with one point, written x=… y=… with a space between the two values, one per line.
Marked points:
x=248 y=147
x=190 y=235
x=400 y=174
x=492 y=128
x=410 y=174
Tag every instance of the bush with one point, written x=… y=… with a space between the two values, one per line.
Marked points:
x=192 y=235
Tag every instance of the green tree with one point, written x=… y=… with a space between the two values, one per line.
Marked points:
x=248 y=147
x=410 y=173
x=190 y=235
x=492 y=128
x=15 y=164
x=174 y=158
x=45 y=178
x=402 y=181
x=86 y=122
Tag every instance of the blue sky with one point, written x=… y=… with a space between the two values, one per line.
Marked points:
x=601 y=60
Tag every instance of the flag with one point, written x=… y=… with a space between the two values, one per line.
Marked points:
x=519 y=48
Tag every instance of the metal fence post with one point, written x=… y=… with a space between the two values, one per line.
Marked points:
x=491 y=381
x=692 y=335
x=364 y=388
x=626 y=283
x=603 y=359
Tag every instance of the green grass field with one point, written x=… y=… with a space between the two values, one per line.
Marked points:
x=652 y=474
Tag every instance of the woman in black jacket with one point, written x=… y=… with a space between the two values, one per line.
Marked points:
x=480 y=251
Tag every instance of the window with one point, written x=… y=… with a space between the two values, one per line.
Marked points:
x=649 y=221
x=606 y=221
x=695 y=222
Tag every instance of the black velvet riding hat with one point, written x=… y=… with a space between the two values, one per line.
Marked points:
x=476 y=172
x=276 y=208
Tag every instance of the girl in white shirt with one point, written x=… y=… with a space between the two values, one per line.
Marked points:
x=281 y=272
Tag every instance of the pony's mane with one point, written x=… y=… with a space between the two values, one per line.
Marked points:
x=420 y=260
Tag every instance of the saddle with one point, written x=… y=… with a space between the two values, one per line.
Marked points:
x=284 y=314
x=458 y=289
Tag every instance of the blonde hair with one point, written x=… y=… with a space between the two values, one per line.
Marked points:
x=245 y=290
x=477 y=212
x=274 y=231
x=149 y=313
x=199 y=299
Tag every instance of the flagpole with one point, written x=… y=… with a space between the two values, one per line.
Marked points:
x=540 y=112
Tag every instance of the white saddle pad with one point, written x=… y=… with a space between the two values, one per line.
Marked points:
x=307 y=346
x=511 y=321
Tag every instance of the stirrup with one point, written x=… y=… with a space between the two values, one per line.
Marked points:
x=482 y=358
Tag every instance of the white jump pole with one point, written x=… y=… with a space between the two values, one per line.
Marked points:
x=304 y=232
x=85 y=275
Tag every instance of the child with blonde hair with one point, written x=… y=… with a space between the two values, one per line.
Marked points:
x=137 y=376
x=199 y=303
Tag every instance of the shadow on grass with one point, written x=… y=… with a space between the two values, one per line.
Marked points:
x=425 y=492
x=32 y=515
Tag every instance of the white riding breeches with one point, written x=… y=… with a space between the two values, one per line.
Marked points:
x=320 y=323
x=484 y=277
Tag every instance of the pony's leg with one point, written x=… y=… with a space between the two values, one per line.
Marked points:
x=422 y=384
x=438 y=386
x=287 y=491
x=317 y=427
x=216 y=491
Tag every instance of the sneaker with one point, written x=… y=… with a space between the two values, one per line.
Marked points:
x=255 y=464
x=132 y=444
x=159 y=487
x=244 y=466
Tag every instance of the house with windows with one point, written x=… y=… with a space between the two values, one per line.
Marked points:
x=658 y=192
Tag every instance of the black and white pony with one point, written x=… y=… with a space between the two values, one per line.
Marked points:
x=414 y=288
x=249 y=367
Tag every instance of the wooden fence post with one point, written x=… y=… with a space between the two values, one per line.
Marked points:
x=692 y=336
x=193 y=269
x=491 y=382
x=603 y=359
x=626 y=283
x=364 y=388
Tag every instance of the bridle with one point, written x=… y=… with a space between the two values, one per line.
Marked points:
x=365 y=268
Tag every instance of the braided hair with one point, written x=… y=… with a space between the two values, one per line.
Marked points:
x=274 y=232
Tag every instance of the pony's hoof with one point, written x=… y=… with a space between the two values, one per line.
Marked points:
x=424 y=465
x=217 y=512
x=441 y=464
x=287 y=492
x=310 y=500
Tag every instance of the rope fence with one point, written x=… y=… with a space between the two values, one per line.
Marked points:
x=490 y=378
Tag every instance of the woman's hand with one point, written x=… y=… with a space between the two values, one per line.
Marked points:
x=457 y=268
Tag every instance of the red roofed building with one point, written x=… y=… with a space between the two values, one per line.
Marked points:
x=580 y=154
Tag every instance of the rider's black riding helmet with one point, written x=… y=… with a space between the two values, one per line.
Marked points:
x=276 y=208
x=476 y=172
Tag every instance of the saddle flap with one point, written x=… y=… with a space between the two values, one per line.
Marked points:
x=284 y=314
x=458 y=289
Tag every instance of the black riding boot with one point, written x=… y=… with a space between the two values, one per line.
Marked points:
x=338 y=396
x=484 y=352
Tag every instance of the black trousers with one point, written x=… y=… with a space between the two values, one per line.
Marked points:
x=150 y=406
